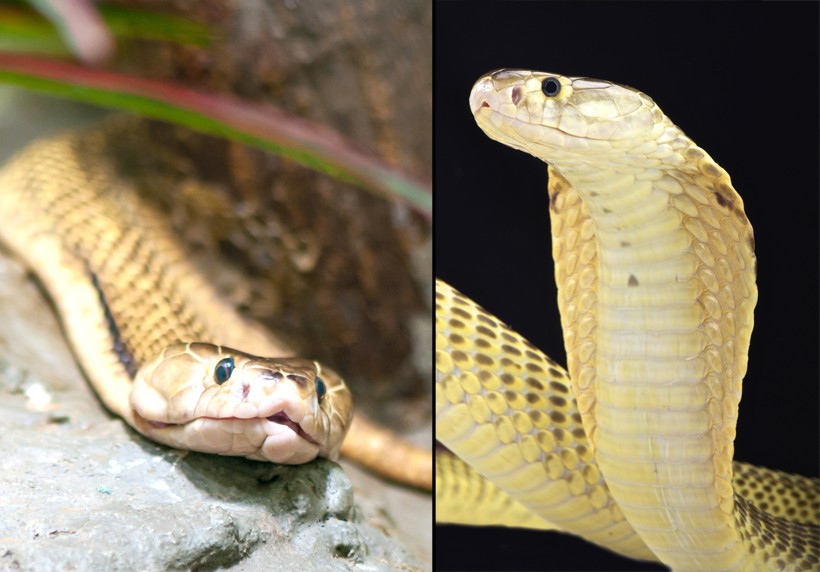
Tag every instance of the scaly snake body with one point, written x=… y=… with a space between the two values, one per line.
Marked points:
x=154 y=336
x=654 y=260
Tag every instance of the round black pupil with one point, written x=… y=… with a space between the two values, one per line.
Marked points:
x=223 y=370
x=551 y=87
x=320 y=388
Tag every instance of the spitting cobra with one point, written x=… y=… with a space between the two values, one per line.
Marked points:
x=655 y=267
x=153 y=335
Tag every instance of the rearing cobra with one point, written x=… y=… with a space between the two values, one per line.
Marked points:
x=655 y=266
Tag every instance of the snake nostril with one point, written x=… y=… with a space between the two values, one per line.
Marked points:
x=516 y=95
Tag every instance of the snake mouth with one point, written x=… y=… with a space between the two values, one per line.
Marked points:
x=282 y=418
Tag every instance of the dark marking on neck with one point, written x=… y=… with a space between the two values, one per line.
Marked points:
x=724 y=201
x=119 y=346
x=553 y=206
x=633 y=281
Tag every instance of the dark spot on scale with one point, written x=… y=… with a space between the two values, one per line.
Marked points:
x=458 y=299
x=462 y=313
x=459 y=356
x=750 y=240
x=557 y=417
x=484 y=360
x=510 y=350
x=555 y=373
x=485 y=331
x=535 y=384
x=532 y=398
x=511 y=339
x=558 y=401
x=559 y=387
x=625 y=244
x=633 y=281
x=606 y=210
x=486 y=320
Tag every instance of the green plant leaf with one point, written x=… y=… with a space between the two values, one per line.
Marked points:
x=259 y=125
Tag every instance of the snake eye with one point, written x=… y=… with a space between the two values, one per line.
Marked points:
x=223 y=370
x=551 y=86
x=321 y=388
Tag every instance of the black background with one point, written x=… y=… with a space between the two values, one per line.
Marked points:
x=741 y=79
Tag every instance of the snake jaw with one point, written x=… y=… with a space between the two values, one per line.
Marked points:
x=270 y=432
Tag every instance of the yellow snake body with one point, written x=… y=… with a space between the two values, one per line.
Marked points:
x=151 y=333
x=654 y=261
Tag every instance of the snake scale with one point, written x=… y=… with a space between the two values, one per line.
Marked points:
x=632 y=449
x=153 y=335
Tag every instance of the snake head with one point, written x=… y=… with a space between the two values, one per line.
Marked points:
x=215 y=399
x=573 y=121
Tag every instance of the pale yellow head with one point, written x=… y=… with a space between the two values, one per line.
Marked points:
x=575 y=122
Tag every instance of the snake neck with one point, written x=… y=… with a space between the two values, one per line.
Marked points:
x=656 y=291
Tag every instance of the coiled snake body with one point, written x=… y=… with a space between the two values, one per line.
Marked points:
x=654 y=261
x=153 y=335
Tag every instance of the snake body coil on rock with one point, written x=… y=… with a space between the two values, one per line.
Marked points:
x=154 y=336
x=654 y=261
